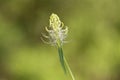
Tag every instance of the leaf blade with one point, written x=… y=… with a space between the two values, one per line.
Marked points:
x=61 y=56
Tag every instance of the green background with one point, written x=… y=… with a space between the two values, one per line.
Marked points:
x=92 y=51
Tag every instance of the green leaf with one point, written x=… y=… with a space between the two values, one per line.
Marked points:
x=61 y=56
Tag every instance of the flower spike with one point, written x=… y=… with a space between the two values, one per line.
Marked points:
x=57 y=33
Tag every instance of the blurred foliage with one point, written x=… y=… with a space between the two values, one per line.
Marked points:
x=93 y=48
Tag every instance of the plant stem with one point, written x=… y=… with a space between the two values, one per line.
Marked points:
x=61 y=56
x=69 y=70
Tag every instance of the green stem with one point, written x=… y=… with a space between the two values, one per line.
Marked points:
x=69 y=70
x=64 y=63
x=61 y=56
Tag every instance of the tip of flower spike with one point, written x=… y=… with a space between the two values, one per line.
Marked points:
x=54 y=15
x=55 y=22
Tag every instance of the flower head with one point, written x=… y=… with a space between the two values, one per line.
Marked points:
x=56 y=32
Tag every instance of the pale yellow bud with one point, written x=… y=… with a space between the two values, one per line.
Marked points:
x=55 y=22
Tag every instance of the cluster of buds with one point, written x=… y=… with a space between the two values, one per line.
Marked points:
x=56 y=31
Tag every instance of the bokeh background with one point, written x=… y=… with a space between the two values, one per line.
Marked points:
x=92 y=51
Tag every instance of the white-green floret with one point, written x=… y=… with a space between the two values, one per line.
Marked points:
x=57 y=32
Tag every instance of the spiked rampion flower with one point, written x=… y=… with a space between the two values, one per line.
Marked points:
x=56 y=36
x=56 y=32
